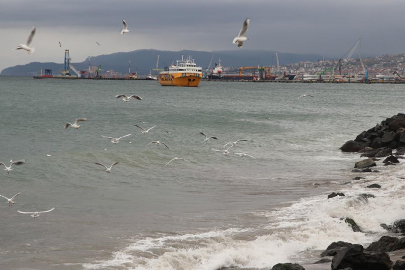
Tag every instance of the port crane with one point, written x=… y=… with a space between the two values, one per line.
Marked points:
x=209 y=65
x=68 y=65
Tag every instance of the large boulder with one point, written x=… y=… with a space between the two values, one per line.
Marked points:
x=357 y=259
x=334 y=194
x=399 y=226
x=374 y=186
x=388 y=136
x=397 y=124
x=287 y=266
x=376 y=143
x=391 y=159
x=399 y=265
x=353 y=146
x=387 y=243
x=333 y=248
x=400 y=151
x=366 y=163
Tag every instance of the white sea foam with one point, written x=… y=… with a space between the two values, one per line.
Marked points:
x=307 y=225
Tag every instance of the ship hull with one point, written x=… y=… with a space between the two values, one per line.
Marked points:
x=185 y=81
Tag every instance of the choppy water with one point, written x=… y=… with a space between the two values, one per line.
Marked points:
x=210 y=211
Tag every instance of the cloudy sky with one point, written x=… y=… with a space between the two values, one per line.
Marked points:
x=326 y=27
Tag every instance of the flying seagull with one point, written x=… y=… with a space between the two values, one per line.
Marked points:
x=159 y=143
x=241 y=37
x=144 y=131
x=27 y=45
x=125 y=29
x=176 y=158
x=244 y=155
x=60 y=44
x=10 y=200
x=8 y=169
x=225 y=152
x=108 y=169
x=35 y=214
x=116 y=140
x=305 y=95
x=98 y=43
x=235 y=142
x=75 y=124
x=125 y=98
x=207 y=138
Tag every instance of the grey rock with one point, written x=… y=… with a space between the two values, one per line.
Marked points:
x=365 y=163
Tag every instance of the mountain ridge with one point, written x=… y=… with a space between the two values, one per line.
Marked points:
x=144 y=60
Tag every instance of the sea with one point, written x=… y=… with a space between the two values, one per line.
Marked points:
x=213 y=209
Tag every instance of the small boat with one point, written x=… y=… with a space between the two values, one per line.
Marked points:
x=184 y=73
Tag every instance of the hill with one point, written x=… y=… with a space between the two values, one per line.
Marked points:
x=143 y=61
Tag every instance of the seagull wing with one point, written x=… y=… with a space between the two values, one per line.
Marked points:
x=226 y=144
x=60 y=44
x=125 y=25
x=67 y=125
x=169 y=162
x=18 y=162
x=46 y=211
x=151 y=142
x=12 y=198
x=80 y=120
x=21 y=212
x=215 y=138
x=107 y=137
x=137 y=97
x=30 y=37
x=165 y=145
x=98 y=43
x=123 y=136
x=6 y=197
x=150 y=128
x=244 y=28
x=241 y=140
x=120 y=96
x=1 y=163
x=101 y=165
x=202 y=133
x=139 y=127
x=115 y=163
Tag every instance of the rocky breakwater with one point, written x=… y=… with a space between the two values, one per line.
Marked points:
x=380 y=140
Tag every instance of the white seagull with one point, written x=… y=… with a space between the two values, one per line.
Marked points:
x=176 y=158
x=244 y=155
x=125 y=29
x=8 y=169
x=305 y=95
x=35 y=214
x=108 y=169
x=10 y=200
x=144 y=131
x=115 y=140
x=225 y=152
x=207 y=138
x=235 y=142
x=75 y=124
x=159 y=143
x=27 y=45
x=241 y=37
x=125 y=98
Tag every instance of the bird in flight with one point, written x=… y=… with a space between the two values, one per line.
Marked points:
x=115 y=140
x=225 y=152
x=35 y=214
x=176 y=158
x=159 y=143
x=108 y=169
x=144 y=131
x=305 y=95
x=10 y=201
x=207 y=138
x=241 y=37
x=76 y=123
x=98 y=43
x=125 y=98
x=125 y=28
x=26 y=46
x=9 y=168
x=235 y=142
x=60 y=44
x=244 y=155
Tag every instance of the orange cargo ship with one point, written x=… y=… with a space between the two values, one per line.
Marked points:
x=184 y=73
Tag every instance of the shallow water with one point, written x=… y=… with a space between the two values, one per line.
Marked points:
x=209 y=211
